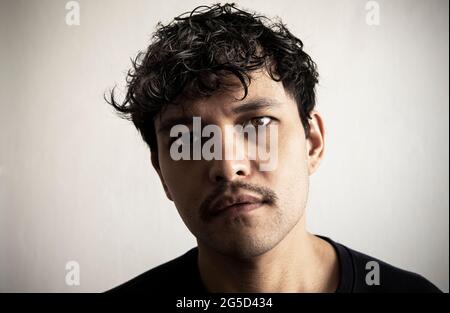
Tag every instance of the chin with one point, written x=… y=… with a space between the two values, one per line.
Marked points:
x=243 y=240
x=244 y=246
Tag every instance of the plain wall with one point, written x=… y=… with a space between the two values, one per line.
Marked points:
x=76 y=181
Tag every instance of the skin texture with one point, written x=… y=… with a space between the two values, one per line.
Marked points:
x=267 y=249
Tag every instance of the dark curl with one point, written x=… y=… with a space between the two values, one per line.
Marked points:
x=193 y=56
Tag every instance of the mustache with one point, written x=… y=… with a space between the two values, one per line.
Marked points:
x=267 y=195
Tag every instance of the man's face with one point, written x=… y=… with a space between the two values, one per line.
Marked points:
x=267 y=204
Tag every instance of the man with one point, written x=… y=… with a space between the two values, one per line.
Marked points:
x=225 y=66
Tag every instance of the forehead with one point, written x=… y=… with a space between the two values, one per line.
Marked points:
x=262 y=89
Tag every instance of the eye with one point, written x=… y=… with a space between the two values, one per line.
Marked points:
x=183 y=141
x=262 y=121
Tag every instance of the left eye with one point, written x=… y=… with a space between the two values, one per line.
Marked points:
x=259 y=121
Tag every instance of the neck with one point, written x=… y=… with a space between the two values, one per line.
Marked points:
x=301 y=262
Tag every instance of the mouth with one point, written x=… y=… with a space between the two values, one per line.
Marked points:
x=236 y=204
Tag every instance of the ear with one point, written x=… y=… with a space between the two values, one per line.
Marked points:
x=155 y=163
x=315 y=142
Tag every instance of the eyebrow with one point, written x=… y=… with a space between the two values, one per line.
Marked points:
x=256 y=104
x=249 y=106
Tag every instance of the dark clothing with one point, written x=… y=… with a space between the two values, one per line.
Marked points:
x=181 y=276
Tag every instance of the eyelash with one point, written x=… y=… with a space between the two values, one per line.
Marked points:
x=260 y=117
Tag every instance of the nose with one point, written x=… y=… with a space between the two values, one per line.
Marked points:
x=228 y=170
x=231 y=166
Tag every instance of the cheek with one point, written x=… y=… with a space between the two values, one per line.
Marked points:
x=291 y=177
x=292 y=147
x=181 y=180
x=174 y=174
x=293 y=168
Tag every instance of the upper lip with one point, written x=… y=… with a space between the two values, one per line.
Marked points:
x=225 y=202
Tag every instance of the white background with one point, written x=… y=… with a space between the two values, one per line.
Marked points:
x=76 y=181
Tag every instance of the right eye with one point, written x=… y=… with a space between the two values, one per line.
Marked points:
x=184 y=140
x=260 y=121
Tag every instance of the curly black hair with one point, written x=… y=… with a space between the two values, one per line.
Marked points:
x=194 y=55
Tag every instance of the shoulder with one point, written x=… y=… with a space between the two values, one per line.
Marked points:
x=179 y=274
x=374 y=275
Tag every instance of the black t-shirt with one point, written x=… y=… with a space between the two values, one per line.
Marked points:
x=182 y=276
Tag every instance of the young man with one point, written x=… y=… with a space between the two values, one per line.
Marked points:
x=225 y=66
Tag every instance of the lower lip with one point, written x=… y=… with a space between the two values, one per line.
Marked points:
x=240 y=208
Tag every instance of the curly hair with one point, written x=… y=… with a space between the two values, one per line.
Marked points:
x=194 y=56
